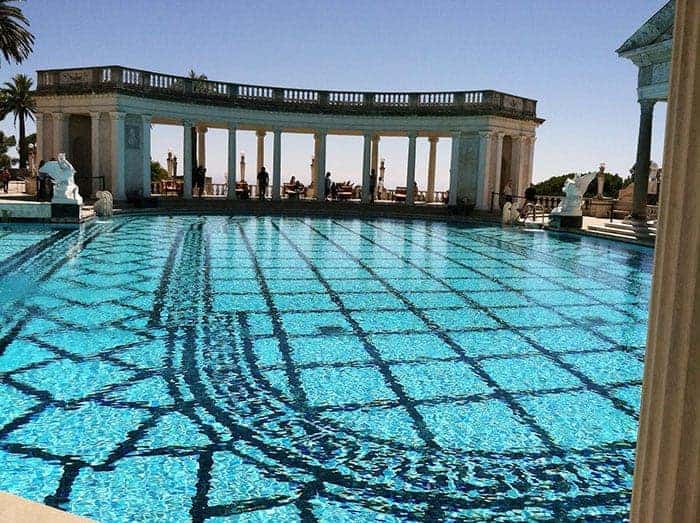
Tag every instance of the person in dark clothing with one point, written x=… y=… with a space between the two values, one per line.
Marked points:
x=200 y=174
x=372 y=185
x=530 y=194
x=263 y=182
x=328 y=186
x=5 y=179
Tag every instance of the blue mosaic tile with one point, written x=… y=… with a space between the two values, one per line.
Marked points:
x=432 y=380
x=528 y=373
x=486 y=425
x=410 y=346
x=335 y=386
x=607 y=367
x=327 y=349
x=590 y=419
x=492 y=343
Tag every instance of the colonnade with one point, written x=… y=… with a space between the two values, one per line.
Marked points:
x=118 y=144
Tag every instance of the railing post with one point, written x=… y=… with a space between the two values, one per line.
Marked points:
x=278 y=94
x=323 y=98
x=413 y=100
x=459 y=99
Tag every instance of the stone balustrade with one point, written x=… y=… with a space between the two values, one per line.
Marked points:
x=153 y=84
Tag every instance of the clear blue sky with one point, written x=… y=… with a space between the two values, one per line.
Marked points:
x=560 y=52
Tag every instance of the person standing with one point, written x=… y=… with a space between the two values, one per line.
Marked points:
x=328 y=186
x=263 y=182
x=372 y=185
x=5 y=179
x=200 y=175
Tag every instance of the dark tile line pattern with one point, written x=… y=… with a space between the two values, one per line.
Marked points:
x=552 y=355
x=186 y=405
x=502 y=394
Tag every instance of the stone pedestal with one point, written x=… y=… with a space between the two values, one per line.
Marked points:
x=560 y=221
x=601 y=207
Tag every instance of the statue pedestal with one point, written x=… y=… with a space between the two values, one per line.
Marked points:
x=562 y=221
x=65 y=212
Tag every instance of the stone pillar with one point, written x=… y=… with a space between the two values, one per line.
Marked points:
x=666 y=484
x=516 y=162
x=39 y=146
x=187 y=160
x=455 y=167
x=261 y=149
x=366 y=166
x=496 y=169
x=411 y=168
x=641 y=167
x=231 y=163
x=277 y=165
x=483 y=172
x=320 y=164
x=60 y=134
x=530 y=160
x=202 y=146
x=118 y=183
x=432 y=157
x=94 y=151
x=146 y=152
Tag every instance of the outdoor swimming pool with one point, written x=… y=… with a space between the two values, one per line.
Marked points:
x=284 y=369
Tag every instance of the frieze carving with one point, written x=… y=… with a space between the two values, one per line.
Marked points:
x=512 y=102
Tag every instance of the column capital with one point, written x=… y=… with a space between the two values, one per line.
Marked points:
x=456 y=134
x=375 y=137
x=117 y=115
x=260 y=133
x=146 y=118
x=202 y=129
x=58 y=116
x=517 y=137
x=187 y=123
x=232 y=125
x=412 y=135
x=647 y=103
x=486 y=134
x=277 y=130
x=433 y=139
x=94 y=115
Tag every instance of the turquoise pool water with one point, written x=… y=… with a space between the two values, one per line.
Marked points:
x=283 y=369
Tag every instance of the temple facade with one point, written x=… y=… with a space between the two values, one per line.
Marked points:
x=649 y=48
x=101 y=118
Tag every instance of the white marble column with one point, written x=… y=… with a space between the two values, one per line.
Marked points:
x=320 y=164
x=497 y=166
x=118 y=183
x=146 y=154
x=231 y=163
x=261 y=149
x=455 y=166
x=530 y=160
x=411 y=169
x=202 y=146
x=516 y=164
x=187 y=159
x=39 y=145
x=666 y=485
x=95 y=155
x=483 y=171
x=60 y=134
x=366 y=166
x=277 y=165
x=432 y=158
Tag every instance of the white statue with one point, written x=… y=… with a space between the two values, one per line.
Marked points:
x=574 y=189
x=62 y=174
x=104 y=205
x=510 y=214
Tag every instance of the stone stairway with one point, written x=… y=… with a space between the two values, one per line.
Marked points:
x=625 y=231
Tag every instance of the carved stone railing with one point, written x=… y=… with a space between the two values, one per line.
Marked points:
x=158 y=85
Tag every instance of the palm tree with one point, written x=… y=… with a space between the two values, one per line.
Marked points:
x=16 y=41
x=16 y=98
